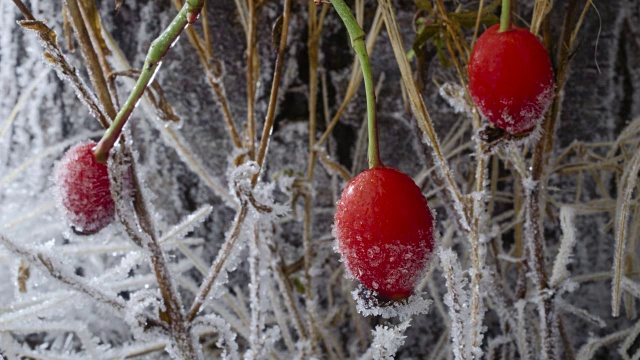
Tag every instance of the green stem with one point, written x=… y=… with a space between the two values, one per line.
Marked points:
x=357 y=36
x=505 y=16
x=156 y=53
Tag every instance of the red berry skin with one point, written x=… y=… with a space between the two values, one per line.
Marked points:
x=511 y=78
x=384 y=231
x=82 y=188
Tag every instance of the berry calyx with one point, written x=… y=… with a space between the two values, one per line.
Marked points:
x=384 y=230
x=511 y=78
x=82 y=189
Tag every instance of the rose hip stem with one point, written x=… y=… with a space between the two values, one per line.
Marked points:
x=357 y=35
x=505 y=15
x=158 y=49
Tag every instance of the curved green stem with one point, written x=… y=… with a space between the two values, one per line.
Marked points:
x=156 y=53
x=357 y=35
x=505 y=15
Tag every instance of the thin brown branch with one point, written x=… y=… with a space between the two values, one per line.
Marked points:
x=95 y=70
x=219 y=262
x=273 y=98
x=54 y=56
x=24 y=10
x=144 y=234
x=252 y=79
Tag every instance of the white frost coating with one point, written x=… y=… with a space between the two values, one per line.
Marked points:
x=455 y=299
x=581 y=313
x=466 y=336
x=522 y=338
x=387 y=340
x=226 y=337
x=453 y=93
x=368 y=305
x=568 y=241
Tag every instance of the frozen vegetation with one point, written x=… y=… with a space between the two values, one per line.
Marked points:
x=222 y=245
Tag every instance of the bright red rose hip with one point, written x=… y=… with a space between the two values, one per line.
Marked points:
x=82 y=189
x=511 y=78
x=384 y=231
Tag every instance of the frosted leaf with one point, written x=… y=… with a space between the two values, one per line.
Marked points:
x=368 y=304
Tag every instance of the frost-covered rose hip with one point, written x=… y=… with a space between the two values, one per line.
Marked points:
x=81 y=186
x=510 y=78
x=384 y=231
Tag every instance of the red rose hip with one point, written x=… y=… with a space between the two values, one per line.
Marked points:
x=384 y=231
x=511 y=78
x=82 y=189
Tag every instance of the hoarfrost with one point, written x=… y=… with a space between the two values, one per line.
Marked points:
x=387 y=340
x=368 y=305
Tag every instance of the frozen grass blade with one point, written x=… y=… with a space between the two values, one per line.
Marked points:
x=568 y=241
x=626 y=185
x=22 y=101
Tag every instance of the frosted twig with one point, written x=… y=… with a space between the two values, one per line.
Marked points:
x=54 y=56
x=522 y=338
x=287 y=293
x=495 y=344
x=30 y=215
x=72 y=250
x=273 y=97
x=581 y=313
x=218 y=263
x=455 y=299
x=22 y=310
x=535 y=241
x=256 y=338
x=279 y=315
x=588 y=350
x=626 y=185
x=568 y=240
x=631 y=287
x=628 y=342
x=187 y=224
x=58 y=272
x=79 y=329
x=143 y=234
x=251 y=77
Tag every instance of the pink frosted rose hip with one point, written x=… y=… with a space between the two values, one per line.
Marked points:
x=82 y=189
